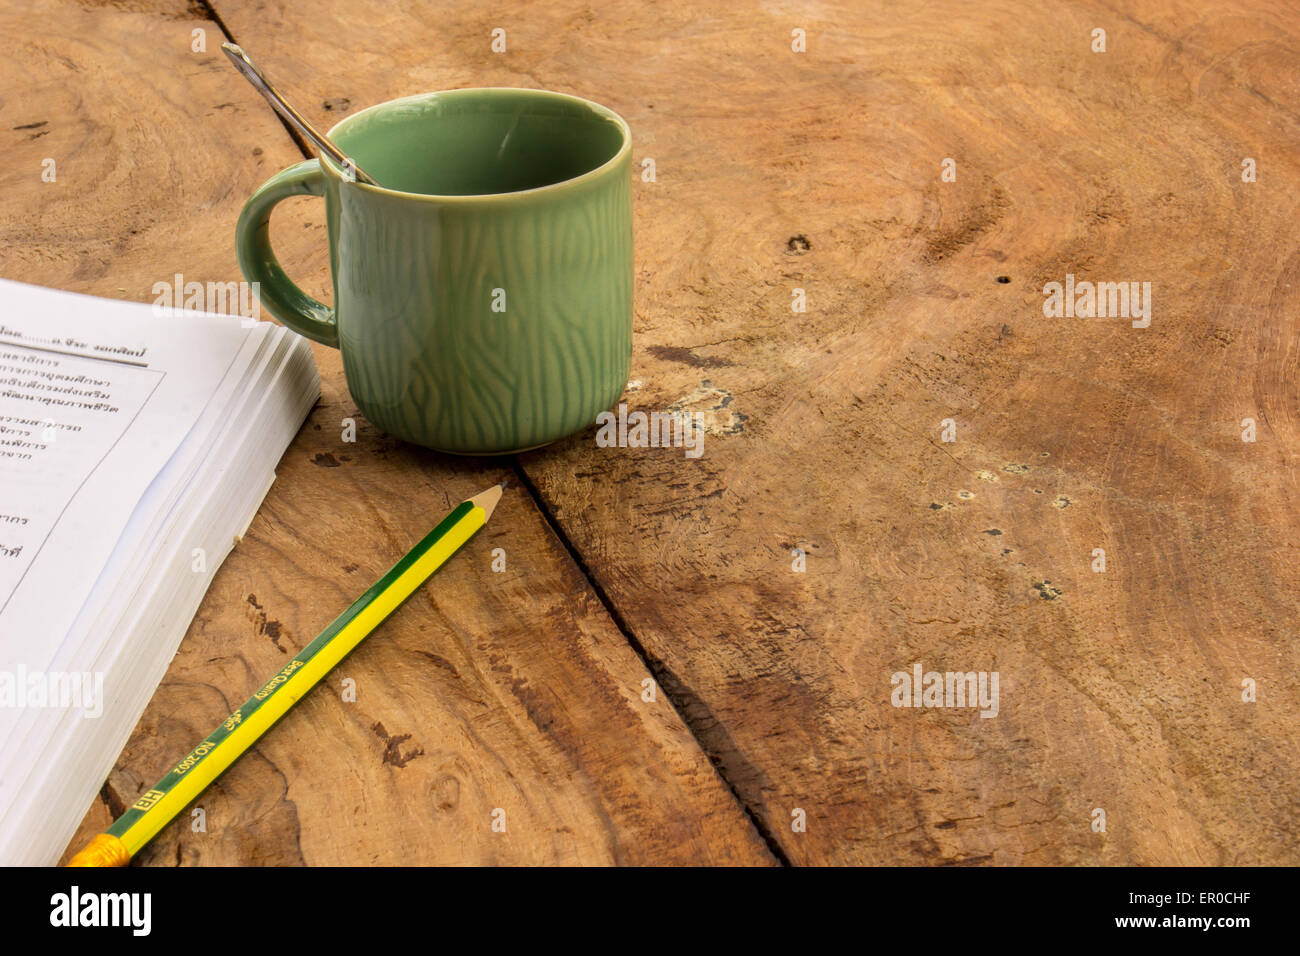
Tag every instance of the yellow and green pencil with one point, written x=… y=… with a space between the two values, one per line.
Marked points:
x=202 y=765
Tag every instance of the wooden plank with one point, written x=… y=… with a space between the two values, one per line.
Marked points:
x=821 y=171
x=1120 y=690
x=509 y=691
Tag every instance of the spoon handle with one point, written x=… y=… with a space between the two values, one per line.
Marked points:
x=251 y=73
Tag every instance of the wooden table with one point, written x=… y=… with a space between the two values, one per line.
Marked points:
x=771 y=737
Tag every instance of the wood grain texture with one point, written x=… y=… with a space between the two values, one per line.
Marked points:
x=821 y=171
x=511 y=691
x=1120 y=690
x=776 y=170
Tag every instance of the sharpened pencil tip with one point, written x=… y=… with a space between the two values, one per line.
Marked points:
x=487 y=500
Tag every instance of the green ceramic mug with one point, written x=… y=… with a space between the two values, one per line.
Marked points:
x=483 y=298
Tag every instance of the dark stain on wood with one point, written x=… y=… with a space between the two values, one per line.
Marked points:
x=1046 y=591
x=392 y=747
x=972 y=225
x=441 y=662
x=686 y=357
x=263 y=624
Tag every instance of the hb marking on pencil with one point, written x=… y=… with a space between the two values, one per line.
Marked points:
x=215 y=753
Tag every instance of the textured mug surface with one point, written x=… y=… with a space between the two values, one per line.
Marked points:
x=483 y=296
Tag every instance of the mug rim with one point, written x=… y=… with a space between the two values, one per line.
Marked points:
x=625 y=147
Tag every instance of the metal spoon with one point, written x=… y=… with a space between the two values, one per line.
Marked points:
x=251 y=73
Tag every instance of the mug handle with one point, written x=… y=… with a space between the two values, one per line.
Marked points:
x=258 y=263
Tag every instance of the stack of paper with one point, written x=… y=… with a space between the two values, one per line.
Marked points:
x=135 y=448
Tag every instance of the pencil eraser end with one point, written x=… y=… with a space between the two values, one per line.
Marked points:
x=104 y=850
